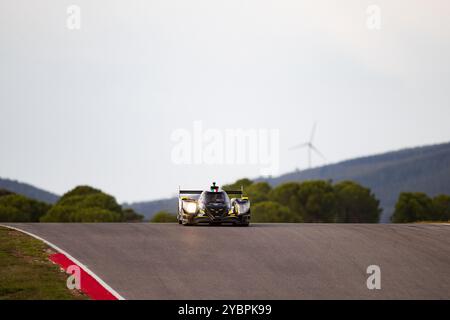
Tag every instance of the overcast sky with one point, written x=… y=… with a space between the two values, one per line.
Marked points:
x=98 y=105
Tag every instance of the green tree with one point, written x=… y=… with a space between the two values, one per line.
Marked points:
x=441 y=208
x=311 y=201
x=238 y=184
x=318 y=200
x=80 y=191
x=59 y=213
x=269 y=211
x=18 y=208
x=258 y=192
x=11 y=214
x=411 y=207
x=164 y=216
x=288 y=195
x=85 y=204
x=95 y=200
x=356 y=204
x=95 y=214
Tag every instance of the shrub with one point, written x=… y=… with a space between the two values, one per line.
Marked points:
x=164 y=216
x=18 y=208
x=413 y=206
x=86 y=204
x=269 y=211
x=258 y=192
x=441 y=208
x=356 y=203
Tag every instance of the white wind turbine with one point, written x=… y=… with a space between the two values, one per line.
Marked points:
x=310 y=146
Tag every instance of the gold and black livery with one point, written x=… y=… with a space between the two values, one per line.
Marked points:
x=213 y=206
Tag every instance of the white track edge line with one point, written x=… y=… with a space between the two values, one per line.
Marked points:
x=81 y=265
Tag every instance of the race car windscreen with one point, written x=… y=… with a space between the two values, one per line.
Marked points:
x=216 y=197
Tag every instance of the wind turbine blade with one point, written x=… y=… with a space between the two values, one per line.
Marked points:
x=313 y=132
x=318 y=152
x=302 y=145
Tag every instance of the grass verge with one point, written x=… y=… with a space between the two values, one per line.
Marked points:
x=26 y=273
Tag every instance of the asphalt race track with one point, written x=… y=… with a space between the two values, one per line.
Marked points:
x=263 y=261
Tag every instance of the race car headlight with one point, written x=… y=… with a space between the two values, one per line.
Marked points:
x=243 y=207
x=190 y=207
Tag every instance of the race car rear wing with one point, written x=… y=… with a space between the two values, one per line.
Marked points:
x=190 y=191
x=229 y=192
x=235 y=192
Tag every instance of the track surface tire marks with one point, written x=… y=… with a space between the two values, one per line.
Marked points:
x=264 y=261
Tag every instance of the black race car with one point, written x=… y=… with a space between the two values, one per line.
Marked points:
x=213 y=207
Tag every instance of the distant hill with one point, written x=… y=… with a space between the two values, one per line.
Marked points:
x=423 y=169
x=28 y=190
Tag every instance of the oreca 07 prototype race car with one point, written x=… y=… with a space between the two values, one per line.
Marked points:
x=213 y=206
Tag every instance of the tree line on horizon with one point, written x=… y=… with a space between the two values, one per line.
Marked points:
x=309 y=201
x=319 y=201
x=313 y=201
